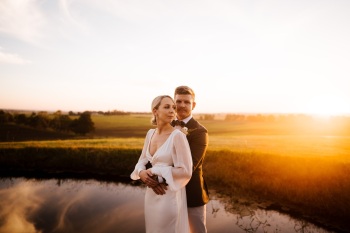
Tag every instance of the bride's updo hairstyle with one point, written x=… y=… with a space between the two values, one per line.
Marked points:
x=155 y=105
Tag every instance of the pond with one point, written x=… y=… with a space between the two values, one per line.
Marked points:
x=68 y=205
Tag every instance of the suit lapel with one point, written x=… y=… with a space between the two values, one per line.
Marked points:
x=191 y=123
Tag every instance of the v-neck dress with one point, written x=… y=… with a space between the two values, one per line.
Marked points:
x=173 y=162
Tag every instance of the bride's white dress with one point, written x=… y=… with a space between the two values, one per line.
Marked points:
x=173 y=162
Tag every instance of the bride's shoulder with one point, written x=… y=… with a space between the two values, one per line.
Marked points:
x=180 y=132
x=150 y=132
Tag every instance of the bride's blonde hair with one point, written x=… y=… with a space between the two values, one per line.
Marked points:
x=155 y=105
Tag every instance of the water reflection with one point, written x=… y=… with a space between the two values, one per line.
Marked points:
x=29 y=205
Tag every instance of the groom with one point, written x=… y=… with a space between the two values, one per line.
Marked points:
x=196 y=189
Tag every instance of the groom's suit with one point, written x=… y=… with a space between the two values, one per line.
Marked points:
x=196 y=189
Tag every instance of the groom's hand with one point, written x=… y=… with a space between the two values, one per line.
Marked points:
x=159 y=189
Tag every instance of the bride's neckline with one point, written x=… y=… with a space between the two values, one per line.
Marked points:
x=149 y=144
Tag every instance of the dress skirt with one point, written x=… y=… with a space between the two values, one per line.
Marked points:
x=166 y=213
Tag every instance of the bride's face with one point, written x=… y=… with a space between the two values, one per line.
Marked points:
x=166 y=111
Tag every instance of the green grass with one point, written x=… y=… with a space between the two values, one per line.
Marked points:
x=136 y=126
x=121 y=126
x=285 y=145
x=309 y=186
x=289 y=145
x=101 y=143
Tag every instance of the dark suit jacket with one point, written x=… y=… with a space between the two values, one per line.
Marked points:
x=196 y=189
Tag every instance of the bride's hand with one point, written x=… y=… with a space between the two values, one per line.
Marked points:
x=147 y=177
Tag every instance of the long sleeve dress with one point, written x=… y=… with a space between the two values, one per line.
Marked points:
x=173 y=162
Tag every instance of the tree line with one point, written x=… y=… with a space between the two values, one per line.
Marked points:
x=80 y=123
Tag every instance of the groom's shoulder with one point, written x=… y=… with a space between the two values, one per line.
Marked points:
x=198 y=125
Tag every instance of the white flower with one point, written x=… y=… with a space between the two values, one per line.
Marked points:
x=184 y=130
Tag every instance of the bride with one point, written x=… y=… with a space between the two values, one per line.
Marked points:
x=167 y=149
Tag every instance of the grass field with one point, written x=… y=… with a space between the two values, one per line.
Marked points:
x=136 y=125
x=302 y=168
x=318 y=138
x=337 y=147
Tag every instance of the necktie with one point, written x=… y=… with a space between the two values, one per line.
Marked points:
x=177 y=122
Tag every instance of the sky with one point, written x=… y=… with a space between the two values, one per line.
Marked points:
x=239 y=56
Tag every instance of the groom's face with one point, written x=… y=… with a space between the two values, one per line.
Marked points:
x=184 y=106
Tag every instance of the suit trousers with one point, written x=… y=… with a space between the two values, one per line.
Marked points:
x=197 y=219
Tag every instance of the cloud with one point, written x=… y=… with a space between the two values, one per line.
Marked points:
x=16 y=202
x=12 y=58
x=72 y=14
x=23 y=20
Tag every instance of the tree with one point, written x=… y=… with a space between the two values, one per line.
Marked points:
x=5 y=117
x=39 y=121
x=83 y=124
x=61 y=122
x=21 y=119
x=71 y=113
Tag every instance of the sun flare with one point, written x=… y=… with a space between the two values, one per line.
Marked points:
x=327 y=105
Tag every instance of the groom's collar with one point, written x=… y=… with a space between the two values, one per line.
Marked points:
x=187 y=119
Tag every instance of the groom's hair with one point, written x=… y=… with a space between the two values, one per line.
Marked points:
x=184 y=90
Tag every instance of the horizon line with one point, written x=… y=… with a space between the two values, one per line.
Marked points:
x=194 y=113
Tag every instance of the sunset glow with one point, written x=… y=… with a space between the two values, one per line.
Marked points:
x=239 y=56
x=328 y=105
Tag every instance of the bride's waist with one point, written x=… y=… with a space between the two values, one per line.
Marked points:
x=162 y=165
